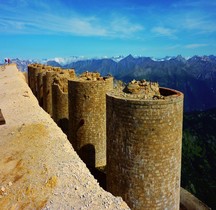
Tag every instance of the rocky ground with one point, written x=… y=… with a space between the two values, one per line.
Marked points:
x=38 y=167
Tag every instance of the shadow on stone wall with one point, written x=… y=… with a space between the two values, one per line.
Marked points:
x=63 y=124
x=87 y=154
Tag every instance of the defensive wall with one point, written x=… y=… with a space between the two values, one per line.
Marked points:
x=39 y=168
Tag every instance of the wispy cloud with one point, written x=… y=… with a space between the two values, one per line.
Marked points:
x=195 y=3
x=163 y=31
x=123 y=26
x=202 y=24
x=193 y=17
x=45 y=20
x=194 y=46
x=173 y=47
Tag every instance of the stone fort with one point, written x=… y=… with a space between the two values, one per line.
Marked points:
x=129 y=137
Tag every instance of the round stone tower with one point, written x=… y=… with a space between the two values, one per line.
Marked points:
x=47 y=91
x=33 y=70
x=87 y=117
x=47 y=88
x=40 y=87
x=40 y=76
x=144 y=140
x=60 y=99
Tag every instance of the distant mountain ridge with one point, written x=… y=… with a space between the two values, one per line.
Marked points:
x=195 y=76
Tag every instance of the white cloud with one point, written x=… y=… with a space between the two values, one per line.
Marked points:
x=200 y=23
x=173 y=47
x=193 y=46
x=124 y=27
x=46 y=21
x=162 y=31
x=196 y=3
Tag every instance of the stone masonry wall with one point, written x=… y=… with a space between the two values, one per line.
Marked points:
x=33 y=71
x=60 y=107
x=87 y=119
x=144 y=139
x=60 y=99
x=48 y=80
x=47 y=91
x=40 y=87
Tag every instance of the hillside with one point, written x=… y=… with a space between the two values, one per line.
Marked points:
x=199 y=155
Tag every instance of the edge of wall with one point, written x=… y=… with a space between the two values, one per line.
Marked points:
x=190 y=202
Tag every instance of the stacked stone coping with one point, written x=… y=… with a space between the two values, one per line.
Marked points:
x=144 y=139
x=60 y=98
x=87 y=116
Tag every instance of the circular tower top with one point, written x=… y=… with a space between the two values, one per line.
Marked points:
x=144 y=90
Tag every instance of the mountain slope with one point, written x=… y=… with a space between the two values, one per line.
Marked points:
x=104 y=66
x=199 y=155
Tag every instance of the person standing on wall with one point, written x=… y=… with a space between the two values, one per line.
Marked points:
x=8 y=60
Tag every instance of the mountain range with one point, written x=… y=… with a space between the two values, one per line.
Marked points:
x=195 y=76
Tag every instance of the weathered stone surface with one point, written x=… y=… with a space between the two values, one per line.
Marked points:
x=144 y=139
x=189 y=202
x=40 y=87
x=33 y=70
x=61 y=79
x=48 y=79
x=2 y=120
x=60 y=99
x=90 y=76
x=139 y=90
x=47 y=91
x=87 y=117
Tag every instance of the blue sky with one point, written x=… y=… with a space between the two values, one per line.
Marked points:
x=63 y=28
